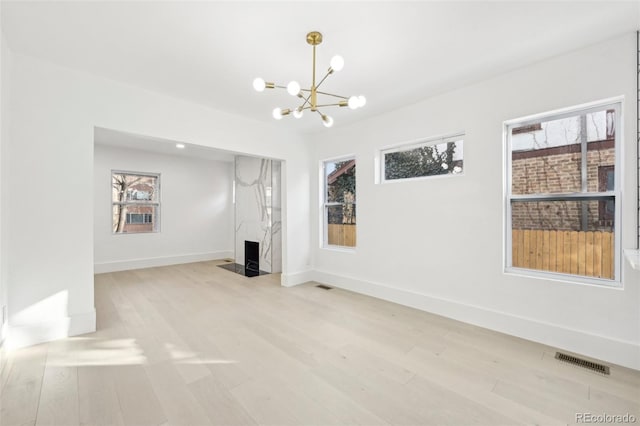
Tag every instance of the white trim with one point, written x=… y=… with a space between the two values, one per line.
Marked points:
x=125 y=265
x=567 y=111
x=323 y=229
x=22 y=335
x=621 y=352
x=295 y=278
x=563 y=278
x=350 y=156
x=343 y=249
x=417 y=143
x=419 y=178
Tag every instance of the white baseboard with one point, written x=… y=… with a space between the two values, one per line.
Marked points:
x=296 y=278
x=125 y=265
x=616 y=351
x=19 y=336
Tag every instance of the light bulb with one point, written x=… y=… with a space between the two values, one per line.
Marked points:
x=354 y=102
x=327 y=121
x=277 y=113
x=337 y=63
x=293 y=88
x=259 y=84
x=297 y=113
x=363 y=100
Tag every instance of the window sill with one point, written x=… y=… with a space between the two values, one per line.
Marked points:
x=342 y=249
x=135 y=233
x=419 y=178
x=563 y=278
x=633 y=257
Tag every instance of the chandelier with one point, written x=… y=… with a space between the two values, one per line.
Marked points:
x=309 y=97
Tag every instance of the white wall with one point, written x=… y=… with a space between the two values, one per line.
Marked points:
x=196 y=211
x=4 y=128
x=49 y=249
x=438 y=244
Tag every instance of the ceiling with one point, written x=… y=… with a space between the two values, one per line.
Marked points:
x=108 y=137
x=396 y=53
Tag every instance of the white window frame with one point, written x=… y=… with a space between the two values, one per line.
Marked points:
x=156 y=204
x=408 y=146
x=615 y=104
x=324 y=204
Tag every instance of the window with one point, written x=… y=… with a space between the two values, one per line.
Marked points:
x=340 y=202
x=135 y=202
x=139 y=218
x=438 y=156
x=562 y=201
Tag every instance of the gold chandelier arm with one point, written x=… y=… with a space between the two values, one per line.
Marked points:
x=324 y=78
x=340 y=104
x=324 y=93
x=302 y=107
x=331 y=94
x=306 y=100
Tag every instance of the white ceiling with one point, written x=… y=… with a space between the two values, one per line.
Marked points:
x=108 y=137
x=396 y=53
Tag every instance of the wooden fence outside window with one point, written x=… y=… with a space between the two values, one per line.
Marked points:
x=342 y=235
x=588 y=254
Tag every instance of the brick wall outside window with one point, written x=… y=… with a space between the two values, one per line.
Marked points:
x=555 y=172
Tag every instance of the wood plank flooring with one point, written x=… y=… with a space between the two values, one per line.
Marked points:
x=197 y=345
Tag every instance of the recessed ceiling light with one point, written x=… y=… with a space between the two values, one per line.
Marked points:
x=180 y=145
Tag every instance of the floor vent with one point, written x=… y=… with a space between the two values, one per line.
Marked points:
x=593 y=366
x=324 y=287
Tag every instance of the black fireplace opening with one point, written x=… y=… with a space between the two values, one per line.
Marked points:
x=251 y=258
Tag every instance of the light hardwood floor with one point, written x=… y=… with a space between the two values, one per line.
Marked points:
x=195 y=344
